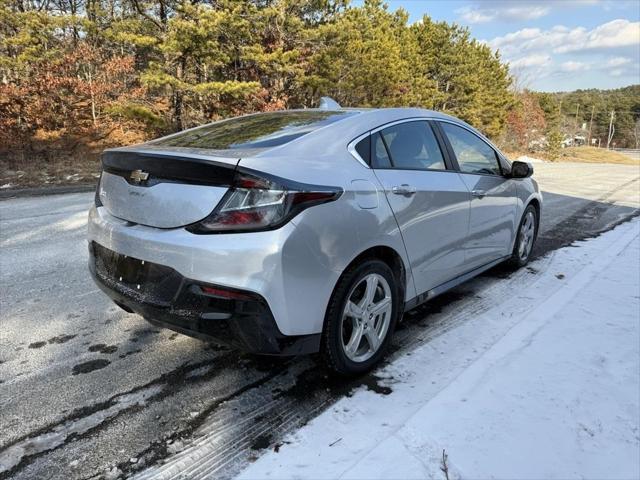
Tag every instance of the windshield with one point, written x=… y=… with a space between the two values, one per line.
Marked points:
x=263 y=130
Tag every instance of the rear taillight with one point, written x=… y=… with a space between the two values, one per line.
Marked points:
x=255 y=203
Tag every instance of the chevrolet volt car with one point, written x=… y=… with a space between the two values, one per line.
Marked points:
x=303 y=231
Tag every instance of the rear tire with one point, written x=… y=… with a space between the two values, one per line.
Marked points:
x=361 y=318
x=526 y=238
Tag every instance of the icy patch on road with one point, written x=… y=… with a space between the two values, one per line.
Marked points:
x=555 y=395
x=72 y=222
x=13 y=455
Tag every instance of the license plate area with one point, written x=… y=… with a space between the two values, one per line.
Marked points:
x=144 y=281
x=131 y=271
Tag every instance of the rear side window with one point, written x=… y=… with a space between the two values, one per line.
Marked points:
x=413 y=146
x=263 y=130
x=473 y=154
x=363 y=147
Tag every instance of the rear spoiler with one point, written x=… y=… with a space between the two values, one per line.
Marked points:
x=149 y=168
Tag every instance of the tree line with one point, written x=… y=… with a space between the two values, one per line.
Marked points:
x=539 y=121
x=75 y=72
x=592 y=112
x=79 y=75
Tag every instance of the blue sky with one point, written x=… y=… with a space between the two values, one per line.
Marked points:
x=554 y=45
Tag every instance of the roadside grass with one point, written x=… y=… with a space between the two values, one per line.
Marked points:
x=45 y=174
x=581 y=155
x=594 y=155
x=60 y=158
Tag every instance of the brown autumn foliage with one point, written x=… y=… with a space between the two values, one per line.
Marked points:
x=77 y=76
x=64 y=100
x=525 y=122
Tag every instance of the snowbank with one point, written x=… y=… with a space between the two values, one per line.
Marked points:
x=544 y=385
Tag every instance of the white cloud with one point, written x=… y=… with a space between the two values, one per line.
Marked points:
x=499 y=10
x=530 y=61
x=572 y=66
x=560 y=39
x=618 y=61
x=471 y=15
x=484 y=15
x=562 y=54
x=616 y=33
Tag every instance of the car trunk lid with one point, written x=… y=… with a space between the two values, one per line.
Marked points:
x=163 y=188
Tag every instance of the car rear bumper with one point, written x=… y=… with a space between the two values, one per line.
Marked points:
x=284 y=266
x=164 y=297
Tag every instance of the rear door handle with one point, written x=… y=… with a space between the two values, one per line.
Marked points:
x=404 y=189
x=478 y=193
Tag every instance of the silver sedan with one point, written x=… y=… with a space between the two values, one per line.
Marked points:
x=301 y=231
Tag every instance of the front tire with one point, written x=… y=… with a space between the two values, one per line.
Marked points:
x=361 y=318
x=525 y=240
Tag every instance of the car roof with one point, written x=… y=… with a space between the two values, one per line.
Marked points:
x=332 y=139
x=327 y=141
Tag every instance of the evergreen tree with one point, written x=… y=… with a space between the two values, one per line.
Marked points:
x=469 y=79
x=85 y=74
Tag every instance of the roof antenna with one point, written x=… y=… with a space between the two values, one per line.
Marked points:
x=328 y=103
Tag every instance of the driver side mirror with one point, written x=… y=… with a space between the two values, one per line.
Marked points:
x=521 y=169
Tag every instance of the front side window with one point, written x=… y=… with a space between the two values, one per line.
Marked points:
x=412 y=146
x=472 y=153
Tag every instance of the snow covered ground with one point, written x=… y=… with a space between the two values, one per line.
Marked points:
x=546 y=384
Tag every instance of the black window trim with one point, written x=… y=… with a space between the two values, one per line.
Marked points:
x=351 y=147
x=450 y=160
x=449 y=167
x=453 y=155
x=386 y=149
x=445 y=146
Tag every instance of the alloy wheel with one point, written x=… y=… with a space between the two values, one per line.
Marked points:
x=527 y=234
x=366 y=317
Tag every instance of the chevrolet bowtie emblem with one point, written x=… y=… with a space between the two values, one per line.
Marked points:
x=139 y=176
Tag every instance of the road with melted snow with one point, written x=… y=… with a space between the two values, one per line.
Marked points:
x=89 y=391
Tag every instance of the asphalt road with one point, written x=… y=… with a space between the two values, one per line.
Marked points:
x=89 y=391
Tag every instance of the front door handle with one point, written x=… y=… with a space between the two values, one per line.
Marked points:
x=478 y=193
x=404 y=189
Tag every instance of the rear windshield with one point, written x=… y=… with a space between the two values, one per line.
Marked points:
x=264 y=130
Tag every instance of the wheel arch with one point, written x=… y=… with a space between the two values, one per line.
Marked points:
x=388 y=255
x=535 y=202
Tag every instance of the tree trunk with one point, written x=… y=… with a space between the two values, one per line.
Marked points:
x=93 y=99
x=178 y=97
